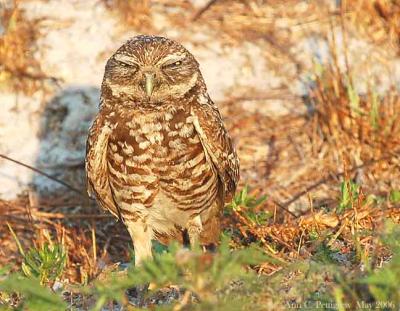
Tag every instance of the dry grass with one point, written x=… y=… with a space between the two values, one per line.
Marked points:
x=88 y=235
x=268 y=20
x=20 y=68
x=300 y=161
x=295 y=154
x=359 y=128
x=302 y=170
x=377 y=19
x=253 y=20
x=132 y=13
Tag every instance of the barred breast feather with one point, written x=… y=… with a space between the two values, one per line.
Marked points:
x=162 y=166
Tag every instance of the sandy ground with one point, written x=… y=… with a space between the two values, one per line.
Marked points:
x=49 y=131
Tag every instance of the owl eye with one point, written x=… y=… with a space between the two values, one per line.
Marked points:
x=173 y=65
x=126 y=61
x=128 y=65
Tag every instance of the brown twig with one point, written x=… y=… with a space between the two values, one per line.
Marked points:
x=200 y=12
x=44 y=174
x=284 y=207
x=71 y=216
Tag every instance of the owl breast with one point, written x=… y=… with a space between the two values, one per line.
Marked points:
x=158 y=168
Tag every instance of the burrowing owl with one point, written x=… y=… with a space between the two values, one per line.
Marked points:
x=158 y=155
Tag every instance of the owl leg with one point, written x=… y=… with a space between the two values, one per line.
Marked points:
x=141 y=235
x=194 y=228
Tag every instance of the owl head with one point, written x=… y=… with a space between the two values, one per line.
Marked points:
x=151 y=70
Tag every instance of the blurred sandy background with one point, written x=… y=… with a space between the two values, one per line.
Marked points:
x=259 y=59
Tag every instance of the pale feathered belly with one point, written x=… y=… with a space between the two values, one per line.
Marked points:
x=160 y=173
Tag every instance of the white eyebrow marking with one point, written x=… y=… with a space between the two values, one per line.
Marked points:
x=172 y=58
x=125 y=59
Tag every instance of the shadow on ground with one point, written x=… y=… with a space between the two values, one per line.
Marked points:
x=65 y=121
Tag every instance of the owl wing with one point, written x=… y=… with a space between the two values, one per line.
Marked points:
x=98 y=185
x=218 y=145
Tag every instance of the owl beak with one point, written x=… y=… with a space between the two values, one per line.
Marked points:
x=149 y=83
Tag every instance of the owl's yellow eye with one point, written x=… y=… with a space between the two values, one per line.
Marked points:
x=173 y=65
x=129 y=65
x=126 y=61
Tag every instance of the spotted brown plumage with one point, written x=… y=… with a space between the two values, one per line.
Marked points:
x=158 y=154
